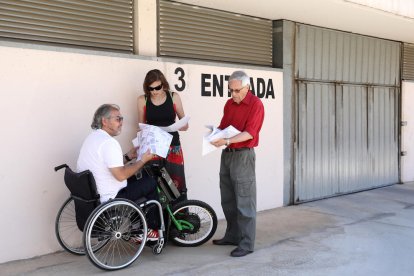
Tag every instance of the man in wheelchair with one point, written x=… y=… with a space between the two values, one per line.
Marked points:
x=115 y=177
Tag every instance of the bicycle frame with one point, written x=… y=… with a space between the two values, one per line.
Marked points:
x=168 y=193
x=179 y=223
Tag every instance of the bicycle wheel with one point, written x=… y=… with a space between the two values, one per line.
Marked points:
x=121 y=224
x=198 y=220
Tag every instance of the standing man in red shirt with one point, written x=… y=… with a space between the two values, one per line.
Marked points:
x=245 y=112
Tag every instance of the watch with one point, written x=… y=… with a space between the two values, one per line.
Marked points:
x=227 y=142
x=127 y=157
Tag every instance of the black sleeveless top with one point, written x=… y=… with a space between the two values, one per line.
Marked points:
x=162 y=115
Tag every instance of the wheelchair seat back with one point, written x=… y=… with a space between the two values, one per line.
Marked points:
x=82 y=187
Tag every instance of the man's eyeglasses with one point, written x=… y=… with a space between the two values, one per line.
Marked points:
x=155 y=88
x=237 y=91
x=118 y=118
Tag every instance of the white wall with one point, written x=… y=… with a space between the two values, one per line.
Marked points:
x=407 y=132
x=48 y=99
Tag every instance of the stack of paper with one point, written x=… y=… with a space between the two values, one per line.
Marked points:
x=156 y=139
x=153 y=138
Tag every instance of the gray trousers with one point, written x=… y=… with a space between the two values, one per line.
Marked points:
x=238 y=196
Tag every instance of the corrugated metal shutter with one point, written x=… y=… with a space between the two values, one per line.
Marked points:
x=91 y=23
x=408 y=62
x=198 y=33
x=347 y=139
x=329 y=55
x=346 y=132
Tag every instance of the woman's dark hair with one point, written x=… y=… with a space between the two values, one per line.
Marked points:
x=155 y=75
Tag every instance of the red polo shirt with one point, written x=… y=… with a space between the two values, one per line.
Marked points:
x=246 y=116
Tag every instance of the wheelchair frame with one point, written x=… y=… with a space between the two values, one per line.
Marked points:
x=115 y=232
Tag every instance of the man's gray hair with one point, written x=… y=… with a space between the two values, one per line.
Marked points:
x=104 y=111
x=241 y=76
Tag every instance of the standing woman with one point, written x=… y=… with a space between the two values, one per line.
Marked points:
x=159 y=107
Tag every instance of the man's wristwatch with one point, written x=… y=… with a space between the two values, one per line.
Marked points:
x=227 y=142
x=127 y=157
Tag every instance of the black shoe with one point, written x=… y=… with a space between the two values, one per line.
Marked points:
x=223 y=242
x=239 y=252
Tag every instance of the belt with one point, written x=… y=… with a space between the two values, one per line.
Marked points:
x=236 y=149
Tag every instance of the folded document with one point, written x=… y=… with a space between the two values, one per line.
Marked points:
x=216 y=133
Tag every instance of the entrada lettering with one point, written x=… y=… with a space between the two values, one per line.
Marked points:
x=213 y=85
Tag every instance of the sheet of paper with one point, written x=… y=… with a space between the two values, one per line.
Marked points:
x=215 y=134
x=153 y=138
x=207 y=146
x=177 y=125
x=226 y=133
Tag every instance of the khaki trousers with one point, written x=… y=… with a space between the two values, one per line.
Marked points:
x=238 y=196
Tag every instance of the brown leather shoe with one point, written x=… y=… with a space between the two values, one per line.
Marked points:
x=223 y=242
x=239 y=252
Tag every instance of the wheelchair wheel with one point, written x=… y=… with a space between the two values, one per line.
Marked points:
x=67 y=232
x=121 y=225
x=199 y=222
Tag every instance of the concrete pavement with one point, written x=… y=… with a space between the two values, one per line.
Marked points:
x=366 y=233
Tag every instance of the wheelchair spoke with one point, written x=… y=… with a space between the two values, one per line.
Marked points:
x=121 y=224
x=66 y=228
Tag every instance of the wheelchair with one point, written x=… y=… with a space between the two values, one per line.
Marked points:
x=113 y=234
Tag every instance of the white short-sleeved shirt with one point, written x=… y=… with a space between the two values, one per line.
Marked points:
x=99 y=152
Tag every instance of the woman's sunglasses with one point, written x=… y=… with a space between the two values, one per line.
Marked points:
x=155 y=88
